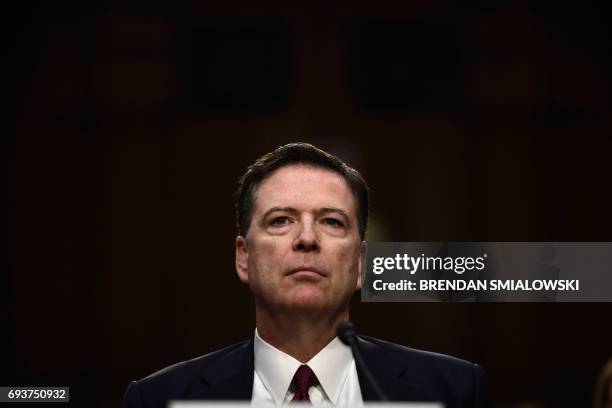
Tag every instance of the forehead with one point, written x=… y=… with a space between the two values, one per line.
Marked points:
x=304 y=187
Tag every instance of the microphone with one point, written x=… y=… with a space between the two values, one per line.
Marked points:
x=348 y=335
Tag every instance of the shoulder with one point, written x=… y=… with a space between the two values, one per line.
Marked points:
x=185 y=379
x=438 y=377
x=415 y=357
x=192 y=367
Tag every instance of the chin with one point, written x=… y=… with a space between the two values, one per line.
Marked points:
x=306 y=299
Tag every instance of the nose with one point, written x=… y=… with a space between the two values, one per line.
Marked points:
x=307 y=239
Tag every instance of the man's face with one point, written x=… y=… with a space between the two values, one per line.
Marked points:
x=302 y=251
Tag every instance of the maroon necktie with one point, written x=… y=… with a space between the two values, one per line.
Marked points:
x=303 y=379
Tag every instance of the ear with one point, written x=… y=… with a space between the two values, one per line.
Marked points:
x=242 y=259
x=361 y=265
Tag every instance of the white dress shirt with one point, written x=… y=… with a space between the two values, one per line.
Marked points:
x=334 y=367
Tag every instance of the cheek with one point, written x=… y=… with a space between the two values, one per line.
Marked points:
x=267 y=256
x=348 y=259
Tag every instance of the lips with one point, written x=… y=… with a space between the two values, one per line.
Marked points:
x=307 y=269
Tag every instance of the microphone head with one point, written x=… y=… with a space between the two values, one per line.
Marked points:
x=346 y=332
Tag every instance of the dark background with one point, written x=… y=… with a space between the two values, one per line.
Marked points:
x=134 y=121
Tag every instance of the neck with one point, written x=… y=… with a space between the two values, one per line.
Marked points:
x=302 y=337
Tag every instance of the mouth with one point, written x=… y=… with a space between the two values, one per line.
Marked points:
x=307 y=271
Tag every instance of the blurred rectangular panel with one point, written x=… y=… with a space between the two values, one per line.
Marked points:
x=402 y=64
x=236 y=65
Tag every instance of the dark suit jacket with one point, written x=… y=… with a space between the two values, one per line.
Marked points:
x=403 y=373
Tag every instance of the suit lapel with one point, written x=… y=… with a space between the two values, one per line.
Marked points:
x=228 y=378
x=231 y=376
x=389 y=372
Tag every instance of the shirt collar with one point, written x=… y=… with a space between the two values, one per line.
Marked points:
x=276 y=368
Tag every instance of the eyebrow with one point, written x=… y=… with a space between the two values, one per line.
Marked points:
x=326 y=210
x=289 y=210
x=318 y=211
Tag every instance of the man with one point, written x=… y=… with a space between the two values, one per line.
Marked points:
x=302 y=217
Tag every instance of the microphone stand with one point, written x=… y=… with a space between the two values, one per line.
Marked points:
x=348 y=335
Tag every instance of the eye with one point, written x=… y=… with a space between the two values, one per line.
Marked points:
x=333 y=222
x=279 y=221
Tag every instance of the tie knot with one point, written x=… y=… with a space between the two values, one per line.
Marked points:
x=303 y=379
